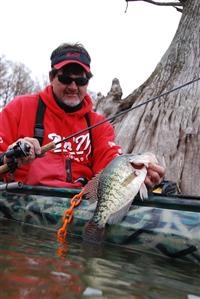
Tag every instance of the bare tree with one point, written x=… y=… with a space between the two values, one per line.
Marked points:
x=170 y=126
x=15 y=79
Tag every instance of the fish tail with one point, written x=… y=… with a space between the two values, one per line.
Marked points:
x=93 y=233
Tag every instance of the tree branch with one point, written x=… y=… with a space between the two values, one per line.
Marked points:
x=174 y=4
x=159 y=3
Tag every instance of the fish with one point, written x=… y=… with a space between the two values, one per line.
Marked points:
x=114 y=189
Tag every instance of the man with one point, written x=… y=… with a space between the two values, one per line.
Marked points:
x=67 y=109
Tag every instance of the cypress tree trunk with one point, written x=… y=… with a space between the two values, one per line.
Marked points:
x=170 y=126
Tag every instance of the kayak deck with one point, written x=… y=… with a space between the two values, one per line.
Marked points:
x=163 y=225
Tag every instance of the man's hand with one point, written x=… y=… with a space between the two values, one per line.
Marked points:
x=155 y=175
x=35 y=150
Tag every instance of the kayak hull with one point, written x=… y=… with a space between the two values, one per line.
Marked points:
x=173 y=233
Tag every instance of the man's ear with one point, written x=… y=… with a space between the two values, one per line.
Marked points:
x=52 y=74
x=51 y=77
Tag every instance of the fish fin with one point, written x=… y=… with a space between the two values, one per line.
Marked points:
x=92 y=233
x=143 y=192
x=119 y=215
x=90 y=189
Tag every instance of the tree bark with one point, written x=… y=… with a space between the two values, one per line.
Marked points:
x=169 y=126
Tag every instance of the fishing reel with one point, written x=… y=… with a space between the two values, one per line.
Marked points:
x=19 y=150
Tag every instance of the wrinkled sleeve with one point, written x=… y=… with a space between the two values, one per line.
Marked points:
x=8 y=126
x=104 y=147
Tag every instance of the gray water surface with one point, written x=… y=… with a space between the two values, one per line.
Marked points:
x=34 y=265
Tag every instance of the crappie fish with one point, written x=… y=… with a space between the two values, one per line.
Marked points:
x=114 y=189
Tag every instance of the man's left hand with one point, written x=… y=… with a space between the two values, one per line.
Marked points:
x=155 y=175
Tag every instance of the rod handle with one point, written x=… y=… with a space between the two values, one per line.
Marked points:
x=4 y=168
x=45 y=148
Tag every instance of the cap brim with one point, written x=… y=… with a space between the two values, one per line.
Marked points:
x=66 y=62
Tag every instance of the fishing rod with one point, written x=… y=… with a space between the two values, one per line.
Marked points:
x=52 y=145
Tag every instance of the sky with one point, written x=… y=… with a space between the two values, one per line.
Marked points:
x=124 y=45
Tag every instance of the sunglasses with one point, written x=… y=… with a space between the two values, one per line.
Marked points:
x=80 y=81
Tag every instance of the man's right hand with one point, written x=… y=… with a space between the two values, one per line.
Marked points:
x=35 y=150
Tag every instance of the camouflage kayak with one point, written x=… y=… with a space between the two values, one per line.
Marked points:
x=168 y=226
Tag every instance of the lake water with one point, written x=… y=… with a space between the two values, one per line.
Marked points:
x=34 y=265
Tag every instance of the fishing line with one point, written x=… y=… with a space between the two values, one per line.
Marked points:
x=127 y=110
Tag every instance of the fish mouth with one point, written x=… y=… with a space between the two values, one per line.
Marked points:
x=137 y=166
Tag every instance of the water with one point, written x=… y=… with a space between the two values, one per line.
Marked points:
x=34 y=265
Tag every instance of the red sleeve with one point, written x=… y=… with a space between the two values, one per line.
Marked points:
x=104 y=147
x=8 y=126
x=17 y=120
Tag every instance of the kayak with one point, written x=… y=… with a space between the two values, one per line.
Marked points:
x=162 y=225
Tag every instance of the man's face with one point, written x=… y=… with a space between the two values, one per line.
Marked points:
x=68 y=91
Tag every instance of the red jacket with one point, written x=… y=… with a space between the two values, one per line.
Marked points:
x=17 y=120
